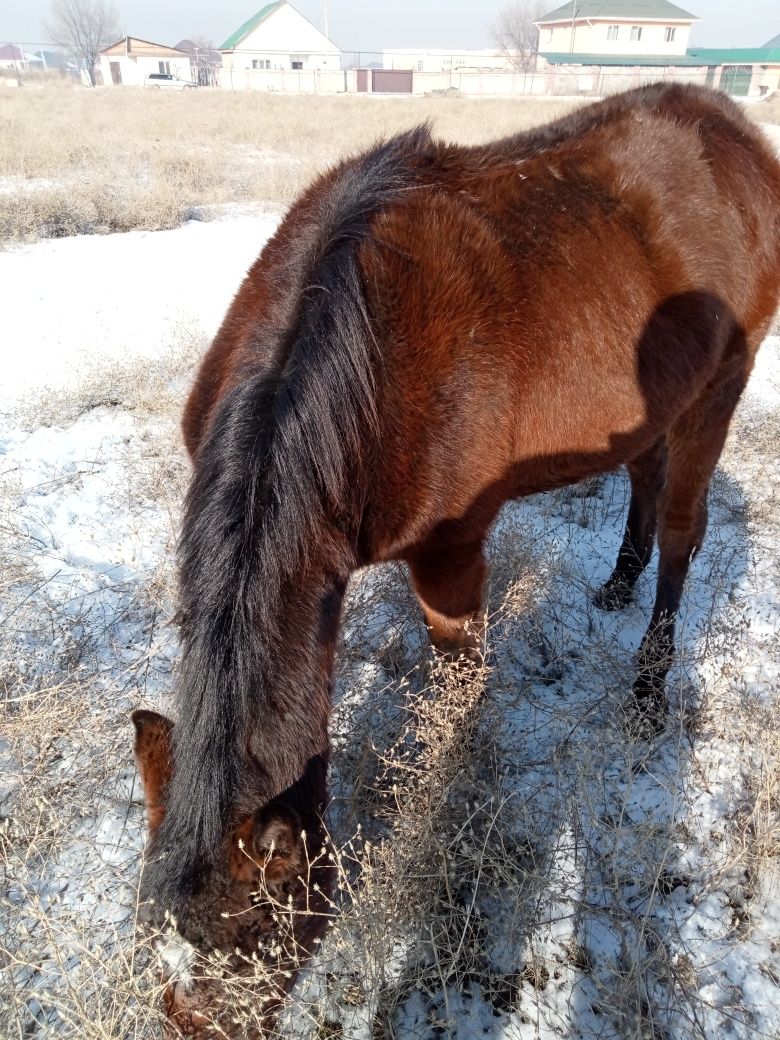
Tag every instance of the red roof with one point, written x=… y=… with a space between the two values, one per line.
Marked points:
x=10 y=52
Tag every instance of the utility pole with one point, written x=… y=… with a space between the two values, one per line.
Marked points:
x=573 y=27
x=325 y=17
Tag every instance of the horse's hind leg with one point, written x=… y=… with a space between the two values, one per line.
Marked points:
x=449 y=582
x=694 y=446
x=647 y=477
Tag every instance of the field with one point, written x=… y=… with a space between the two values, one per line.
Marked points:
x=116 y=160
x=514 y=863
x=75 y=162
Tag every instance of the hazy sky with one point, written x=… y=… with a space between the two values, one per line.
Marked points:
x=373 y=24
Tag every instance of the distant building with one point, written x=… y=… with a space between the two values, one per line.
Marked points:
x=629 y=28
x=14 y=58
x=279 y=38
x=56 y=60
x=129 y=61
x=441 y=60
x=741 y=71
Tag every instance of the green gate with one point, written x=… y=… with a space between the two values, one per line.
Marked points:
x=735 y=79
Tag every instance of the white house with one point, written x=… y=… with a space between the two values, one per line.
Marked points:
x=129 y=61
x=279 y=38
x=641 y=28
x=12 y=57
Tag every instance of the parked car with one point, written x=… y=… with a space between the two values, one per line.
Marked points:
x=167 y=81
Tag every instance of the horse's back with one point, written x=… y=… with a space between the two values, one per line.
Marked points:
x=573 y=292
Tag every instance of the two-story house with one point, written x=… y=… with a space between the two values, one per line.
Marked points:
x=641 y=28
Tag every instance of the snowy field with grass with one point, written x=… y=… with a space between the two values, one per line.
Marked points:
x=513 y=863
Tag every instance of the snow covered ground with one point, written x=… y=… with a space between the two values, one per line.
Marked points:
x=86 y=300
x=590 y=884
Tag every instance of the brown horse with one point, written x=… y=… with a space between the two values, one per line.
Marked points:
x=434 y=330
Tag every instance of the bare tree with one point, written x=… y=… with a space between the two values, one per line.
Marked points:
x=516 y=35
x=206 y=59
x=83 y=28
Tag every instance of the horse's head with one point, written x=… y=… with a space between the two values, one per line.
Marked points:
x=256 y=915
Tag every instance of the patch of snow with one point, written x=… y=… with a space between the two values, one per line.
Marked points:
x=70 y=303
x=773 y=133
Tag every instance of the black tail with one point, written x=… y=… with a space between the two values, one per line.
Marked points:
x=278 y=462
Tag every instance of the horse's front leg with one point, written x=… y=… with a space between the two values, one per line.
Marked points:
x=449 y=582
x=647 y=478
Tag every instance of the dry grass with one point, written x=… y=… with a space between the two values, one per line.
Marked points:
x=79 y=161
x=111 y=160
x=154 y=387
x=768 y=110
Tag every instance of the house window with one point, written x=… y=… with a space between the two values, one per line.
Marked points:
x=612 y=32
x=636 y=33
x=549 y=35
x=260 y=63
x=670 y=31
x=164 y=67
x=420 y=65
x=296 y=61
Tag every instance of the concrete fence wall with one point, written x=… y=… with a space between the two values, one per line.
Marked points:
x=288 y=81
x=552 y=81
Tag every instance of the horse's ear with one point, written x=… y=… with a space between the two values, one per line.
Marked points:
x=274 y=850
x=154 y=758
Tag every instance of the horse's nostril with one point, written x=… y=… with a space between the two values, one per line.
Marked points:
x=182 y=1008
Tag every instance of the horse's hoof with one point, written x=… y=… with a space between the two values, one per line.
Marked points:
x=646 y=710
x=467 y=667
x=461 y=656
x=613 y=595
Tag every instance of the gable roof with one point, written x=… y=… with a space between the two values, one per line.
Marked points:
x=244 y=30
x=147 y=48
x=735 y=55
x=10 y=52
x=693 y=58
x=639 y=9
x=773 y=43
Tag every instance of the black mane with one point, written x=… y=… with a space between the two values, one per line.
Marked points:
x=277 y=460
